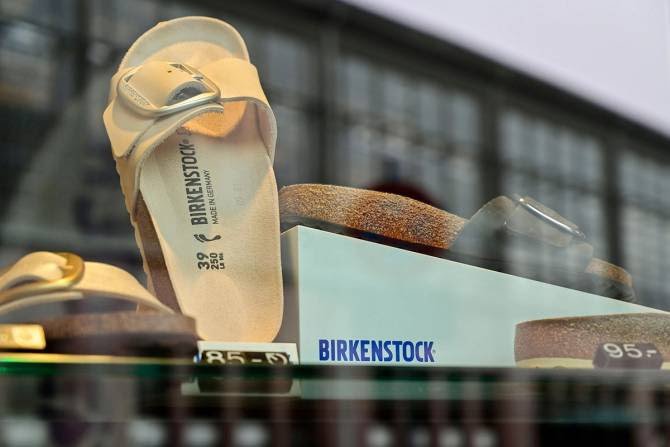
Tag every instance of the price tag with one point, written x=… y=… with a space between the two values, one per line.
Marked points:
x=229 y=353
x=244 y=358
x=627 y=356
x=226 y=353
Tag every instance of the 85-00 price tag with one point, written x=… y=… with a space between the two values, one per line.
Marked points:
x=224 y=353
x=628 y=356
x=235 y=353
x=244 y=358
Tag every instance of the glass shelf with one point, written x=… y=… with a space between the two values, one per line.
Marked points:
x=306 y=403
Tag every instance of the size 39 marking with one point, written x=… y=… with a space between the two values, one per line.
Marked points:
x=210 y=261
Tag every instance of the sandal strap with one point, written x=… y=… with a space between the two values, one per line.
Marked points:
x=44 y=278
x=150 y=102
x=522 y=220
x=553 y=249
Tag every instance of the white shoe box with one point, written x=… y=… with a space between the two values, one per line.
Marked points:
x=371 y=295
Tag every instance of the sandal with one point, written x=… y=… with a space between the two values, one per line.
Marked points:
x=193 y=138
x=575 y=342
x=483 y=241
x=89 y=308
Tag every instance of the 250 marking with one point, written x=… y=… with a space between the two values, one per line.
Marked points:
x=210 y=261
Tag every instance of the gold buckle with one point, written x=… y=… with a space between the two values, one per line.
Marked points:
x=73 y=271
x=22 y=336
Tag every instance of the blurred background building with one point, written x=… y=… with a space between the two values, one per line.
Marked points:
x=360 y=100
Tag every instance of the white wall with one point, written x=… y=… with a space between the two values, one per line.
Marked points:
x=613 y=52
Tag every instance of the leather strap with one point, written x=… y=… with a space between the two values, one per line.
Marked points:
x=157 y=84
x=96 y=284
x=502 y=219
x=553 y=248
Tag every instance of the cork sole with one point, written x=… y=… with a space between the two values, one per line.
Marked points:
x=563 y=362
x=122 y=333
x=394 y=220
x=572 y=342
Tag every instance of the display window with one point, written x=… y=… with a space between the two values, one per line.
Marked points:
x=326 y=223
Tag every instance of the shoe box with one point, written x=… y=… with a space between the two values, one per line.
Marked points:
x=352 y=301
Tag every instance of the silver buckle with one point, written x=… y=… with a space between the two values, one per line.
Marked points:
x=145 y=108
x=547 y=218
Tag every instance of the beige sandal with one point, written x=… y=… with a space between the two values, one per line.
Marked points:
x=90 y=308
x=193 y=138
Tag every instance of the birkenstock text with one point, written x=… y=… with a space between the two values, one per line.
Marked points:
x=195 y=194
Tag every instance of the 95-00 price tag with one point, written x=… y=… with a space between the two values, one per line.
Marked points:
x=627 y=356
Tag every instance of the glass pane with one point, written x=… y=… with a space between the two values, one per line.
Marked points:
x=501 y=297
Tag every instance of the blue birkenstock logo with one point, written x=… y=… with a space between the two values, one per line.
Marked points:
x=360 y=350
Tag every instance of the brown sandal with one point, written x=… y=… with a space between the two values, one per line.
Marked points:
x=556 y=251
